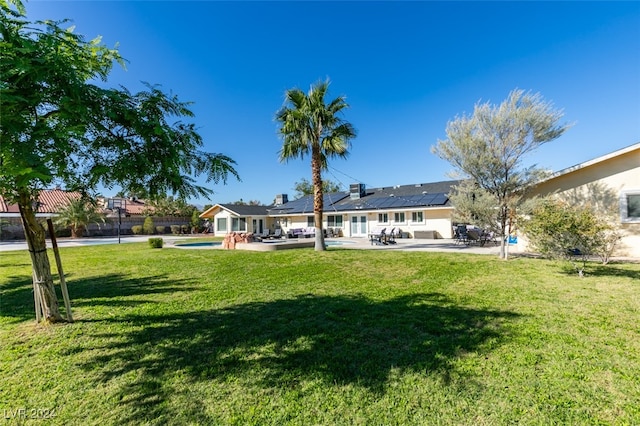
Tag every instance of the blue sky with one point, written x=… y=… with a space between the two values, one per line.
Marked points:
x=406 y=69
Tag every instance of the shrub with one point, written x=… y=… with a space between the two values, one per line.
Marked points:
x=136 y=229
x=148 y=227
x=184 y=229
x=175 y=229
x=156 y=242
x=160 y=229
x=63 y=232
x=559 y=230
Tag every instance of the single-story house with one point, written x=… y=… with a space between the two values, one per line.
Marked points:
x=227 y=218
x=420 y=211
x=610 y=182
x=425 y=211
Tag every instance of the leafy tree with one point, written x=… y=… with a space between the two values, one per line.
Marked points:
x=560 y=230
x=474 y=205
x=77 y=214
x=168 y=206
x=196 y=222
x=304 y=187
x=57 y=125
x=241 y=202
x=309 y=126
x=488 y=147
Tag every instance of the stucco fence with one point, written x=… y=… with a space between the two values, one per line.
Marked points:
x=11 y=227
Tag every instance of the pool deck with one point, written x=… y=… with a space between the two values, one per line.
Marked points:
x=412 y=244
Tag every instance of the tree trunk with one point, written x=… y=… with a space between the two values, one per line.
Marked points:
x=44 y=291
x=316 y=177
x=504 y=237
x=77 y=231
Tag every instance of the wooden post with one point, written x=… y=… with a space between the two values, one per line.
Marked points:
x=36 y=300
x=63 y=283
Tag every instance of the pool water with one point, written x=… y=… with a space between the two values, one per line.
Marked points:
x=337 y=243
x=200 y=244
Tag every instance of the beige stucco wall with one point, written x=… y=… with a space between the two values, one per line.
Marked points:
x=605 y=180
x=438 y=220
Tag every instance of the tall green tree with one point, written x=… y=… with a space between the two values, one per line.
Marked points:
x=489 y=146
x=305 y=187
x=58 y=125
x=311 y=127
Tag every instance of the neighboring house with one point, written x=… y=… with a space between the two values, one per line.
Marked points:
x=49 y=203
x=239 y=218
x=611 y=184
x=421 y=210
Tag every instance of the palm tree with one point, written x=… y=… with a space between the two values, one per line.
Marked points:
x=77 y=214
x=308 y=126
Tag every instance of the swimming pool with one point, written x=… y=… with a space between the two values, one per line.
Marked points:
x=338 y=243
x=200 y=244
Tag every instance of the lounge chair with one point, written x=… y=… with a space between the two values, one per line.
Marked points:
x=277 y=233
x=391 y=237
x=263 y=235
x=377 y=236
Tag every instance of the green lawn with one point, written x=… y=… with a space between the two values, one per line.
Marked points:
x=373 y=337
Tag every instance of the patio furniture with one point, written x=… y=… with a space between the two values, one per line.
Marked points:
x=461 y=234
x=377 y=236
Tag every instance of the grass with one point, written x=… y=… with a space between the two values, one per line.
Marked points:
x=341 y=337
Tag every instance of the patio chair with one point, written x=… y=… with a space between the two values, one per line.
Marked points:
x=263 y=235
x=473 y=237
x=461 y=234
x=391 y=237
x=277 y=233
x=377 y=237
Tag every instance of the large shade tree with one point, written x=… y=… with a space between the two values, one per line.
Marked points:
x=60 y=126
x=311 y=127
x=489 y=146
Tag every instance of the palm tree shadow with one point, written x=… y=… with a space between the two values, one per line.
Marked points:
x=337 y=339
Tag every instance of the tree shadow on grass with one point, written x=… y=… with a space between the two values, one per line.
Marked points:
x=16 y=296
x=336 y=339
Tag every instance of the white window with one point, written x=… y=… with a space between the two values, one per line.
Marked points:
x=334 y=221
x=417 y=217
x=222 y=224
x=310 y=222
x=383 y=218
x=238 y=224
x=398 y=217
x=630 y=206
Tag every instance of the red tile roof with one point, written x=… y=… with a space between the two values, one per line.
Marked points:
x=49 y=201
x=52 y=200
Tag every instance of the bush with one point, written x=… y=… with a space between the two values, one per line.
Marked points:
x=184 y=229
x=560 y=230
x=175 y=229
x=136 y=229
x=156 y=242
x=148 y=227
x=160 y=229
x=63 y=232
